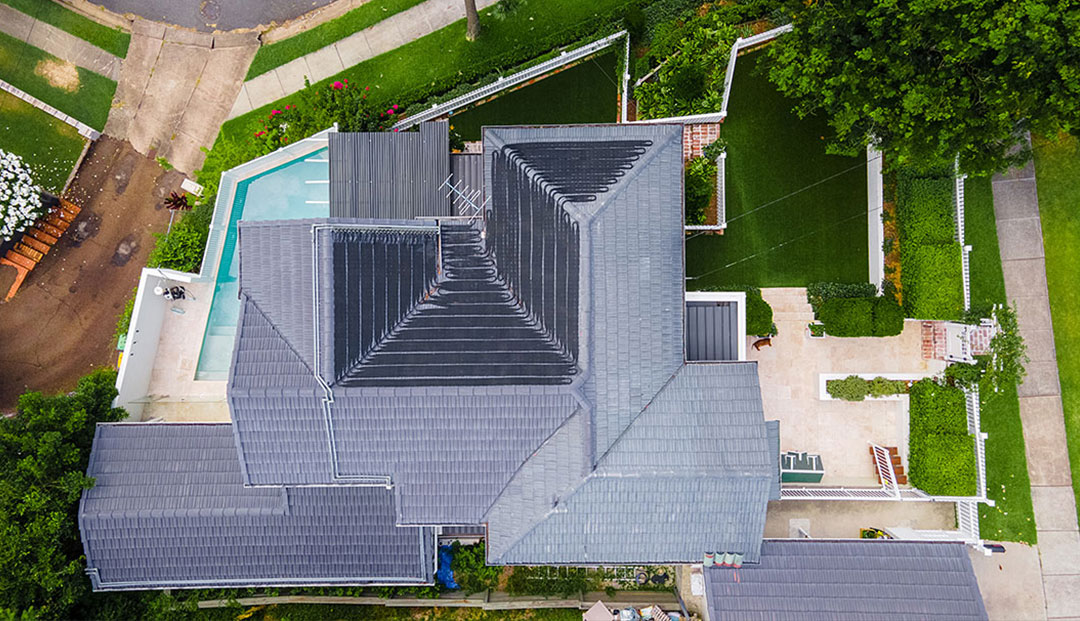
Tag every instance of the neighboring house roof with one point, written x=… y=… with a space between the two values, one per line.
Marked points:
x=848 y=580
x=169 y=509
x=532 y=377
x=390 y=174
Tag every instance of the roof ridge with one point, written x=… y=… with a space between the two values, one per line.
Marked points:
x=637 y=417
x=284 y=339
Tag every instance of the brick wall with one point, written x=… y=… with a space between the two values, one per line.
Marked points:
x=697 y=137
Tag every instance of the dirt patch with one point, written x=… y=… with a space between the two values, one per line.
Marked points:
x=60 y=325
x=60 y=74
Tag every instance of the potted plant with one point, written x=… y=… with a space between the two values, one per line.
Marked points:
x=815 y=330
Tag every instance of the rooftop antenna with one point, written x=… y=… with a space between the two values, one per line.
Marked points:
x=464 y=200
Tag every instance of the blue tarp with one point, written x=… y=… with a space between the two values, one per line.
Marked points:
x=445 y=575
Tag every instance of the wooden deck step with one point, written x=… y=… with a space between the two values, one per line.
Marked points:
x=25 y=250
x=50 y=229
x=41 y=236
x=19 y=259
x=41 y=247
x=58 y=222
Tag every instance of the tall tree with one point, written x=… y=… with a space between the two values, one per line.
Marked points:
x=472 y=20
x=934 y=78
x=44 y=451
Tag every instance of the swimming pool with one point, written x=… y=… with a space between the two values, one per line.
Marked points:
x=292 y=191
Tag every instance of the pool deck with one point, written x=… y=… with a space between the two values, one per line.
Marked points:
x=174 y=394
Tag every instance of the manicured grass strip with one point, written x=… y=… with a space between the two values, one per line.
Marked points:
x=1057 y=170
x=584 y=93
x=443 y=60
x=366 y=15
x=1007 y=482
x=795 y=215
x=112 y=40
x=78 y=92
x=49 y=146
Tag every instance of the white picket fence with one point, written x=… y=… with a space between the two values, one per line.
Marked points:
x=965 y=250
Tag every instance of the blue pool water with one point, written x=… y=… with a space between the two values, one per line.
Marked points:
x=280 y=193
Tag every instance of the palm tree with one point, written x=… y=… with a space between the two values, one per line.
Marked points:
x=472 y=20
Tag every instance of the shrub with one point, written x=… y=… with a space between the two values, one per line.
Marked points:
x=964 y=375
x=882 y=387
x=471 y=571
x=943 y=464
x=123 y=322
x=20 y=197
x=925 y=210
x=888 y=317
x=553 y=581
x=818 y=292
x=700 y=188
x=851 y=388
x=182 y=248
x=848 y=316
x=1008 y=352
x=931 y=279
x=941 y=451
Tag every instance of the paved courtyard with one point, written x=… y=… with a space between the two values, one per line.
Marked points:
x=838 y=431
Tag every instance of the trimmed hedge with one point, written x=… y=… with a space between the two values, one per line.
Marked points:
x=855 y=388
x=818 y=292
x=925 y=209
x=932 y=281
x=700 y=187
x=941 y=452
x=854 y=317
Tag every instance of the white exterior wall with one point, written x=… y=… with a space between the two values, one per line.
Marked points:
x=144 y=331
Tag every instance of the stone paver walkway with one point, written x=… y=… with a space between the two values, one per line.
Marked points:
x=390 y=33
x=1016 y=207
x=176 y=88
x=58 y=43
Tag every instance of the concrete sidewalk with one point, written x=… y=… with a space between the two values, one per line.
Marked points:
x=1016 y=207
x=58 y=43
x=390 y=33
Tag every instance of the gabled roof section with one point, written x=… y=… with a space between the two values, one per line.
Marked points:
x=848 y=581
x=390 y=175
x=169 y=509
x=696 y=467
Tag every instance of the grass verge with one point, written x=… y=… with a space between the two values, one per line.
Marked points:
x=584 y=93
x=49 y=146
x=78 y=92
x=795 y=214
x=436 y=63
x=366 y=15
x=1057 y=167
x=112 y=40
x=1007 y=482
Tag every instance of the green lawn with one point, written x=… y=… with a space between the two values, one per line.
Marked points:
x=1057 y=169
x=1007 y=480
x=795 y=215
x=112 y=40
x=585 y=93
x=276 y=54
x=443 y=60
x=48 y=146
x=80 y=93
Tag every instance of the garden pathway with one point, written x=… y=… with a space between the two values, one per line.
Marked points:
x=176 y=88
x=1016 y=208
x=390 y=33
x=58 y=43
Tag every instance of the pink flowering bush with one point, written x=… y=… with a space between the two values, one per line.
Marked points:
x=318 y=109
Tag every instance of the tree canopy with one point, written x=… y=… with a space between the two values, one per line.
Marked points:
x=44 y=451
x=931 y=79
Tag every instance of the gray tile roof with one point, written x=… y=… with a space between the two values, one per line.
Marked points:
x=848 y=581
x=390 y=174
x=468 y=176
x=551 y=467
x=169 y=509
x=699 y=454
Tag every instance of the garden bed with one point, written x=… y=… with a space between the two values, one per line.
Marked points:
x=795 y=215
x=824 y=379
x=48 y=146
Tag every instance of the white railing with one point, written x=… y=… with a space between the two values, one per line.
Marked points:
x=84 y=130
x=965 y=262
x=721 y=191
x=624 y=103
x=505 y=82
x=967 y=519
x=854 y=493
x=884 y=465
x=971 y=398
